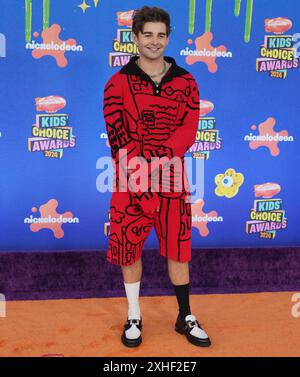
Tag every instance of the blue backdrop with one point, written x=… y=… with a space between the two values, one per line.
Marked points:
x=56 y=56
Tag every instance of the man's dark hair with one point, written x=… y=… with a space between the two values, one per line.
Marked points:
x=150 y=14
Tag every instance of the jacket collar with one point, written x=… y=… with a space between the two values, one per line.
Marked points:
x=131 y=68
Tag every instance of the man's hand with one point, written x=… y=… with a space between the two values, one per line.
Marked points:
x=131 y=174
x=129 y=171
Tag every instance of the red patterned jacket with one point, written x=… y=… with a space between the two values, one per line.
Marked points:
x=151 y=121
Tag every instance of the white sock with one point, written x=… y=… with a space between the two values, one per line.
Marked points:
x=132 y=293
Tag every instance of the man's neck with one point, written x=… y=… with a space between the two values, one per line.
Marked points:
x=151 y=66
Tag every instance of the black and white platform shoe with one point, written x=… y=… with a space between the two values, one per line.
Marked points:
x=132 y=333
x=193 y=331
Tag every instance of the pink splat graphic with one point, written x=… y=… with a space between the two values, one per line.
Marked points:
x=205 y=107
x=46 y=210
x=204 y=43
x=197 y=210
x=52 y=35
x=267 y=128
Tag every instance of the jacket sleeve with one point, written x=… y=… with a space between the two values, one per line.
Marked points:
x=122 y=144
x=184 y=136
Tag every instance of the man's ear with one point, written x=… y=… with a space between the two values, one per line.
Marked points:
x=134 y=38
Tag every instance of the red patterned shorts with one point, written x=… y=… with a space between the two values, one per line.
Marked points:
x=130 y=227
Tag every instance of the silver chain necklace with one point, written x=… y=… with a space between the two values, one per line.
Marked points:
x=156 y=75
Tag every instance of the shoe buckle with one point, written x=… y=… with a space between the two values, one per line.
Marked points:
x=192 y=324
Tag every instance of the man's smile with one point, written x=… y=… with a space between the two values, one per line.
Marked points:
x=153 y=49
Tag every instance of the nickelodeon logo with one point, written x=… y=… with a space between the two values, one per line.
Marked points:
x=53 y=45
x=205 y=52
x=2 y=46
x=50 y=219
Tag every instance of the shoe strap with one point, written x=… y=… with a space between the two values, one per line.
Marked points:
x=192 y=324
x=134 y=321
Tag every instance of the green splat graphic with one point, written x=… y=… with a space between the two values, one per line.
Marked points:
x=248 y=20
x=237 y=7
x=192 y=11
x=28 y=17
x=46 y=14
x=28 y=20
x=208 y=15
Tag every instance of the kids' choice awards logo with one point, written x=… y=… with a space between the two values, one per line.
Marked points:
x=2 y=46
x=207 y=138
x=51 y=133
x=123 y=45
x=279 y=52
x=268 y=215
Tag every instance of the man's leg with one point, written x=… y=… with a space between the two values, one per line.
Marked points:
x=132 y=277
x=132 y=274
x=173 y=229
x=178 y=272
x=186 y=322
x=124 y=217
x=179 y=276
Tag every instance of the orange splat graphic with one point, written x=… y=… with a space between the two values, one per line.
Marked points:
x=49 y=209
x=197 y=210
x=52 y=35
x=267 y=128
x=204 y=43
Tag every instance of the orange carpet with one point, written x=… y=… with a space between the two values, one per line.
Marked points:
x=258 y=324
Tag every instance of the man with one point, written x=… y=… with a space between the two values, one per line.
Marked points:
x=151 y=110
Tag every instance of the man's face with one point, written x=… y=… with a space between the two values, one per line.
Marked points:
x=152 y=41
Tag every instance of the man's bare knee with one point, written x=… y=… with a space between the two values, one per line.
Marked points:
x=132 y=273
